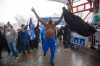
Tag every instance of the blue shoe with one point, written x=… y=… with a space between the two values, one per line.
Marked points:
x=44 y=54
x=52 y=64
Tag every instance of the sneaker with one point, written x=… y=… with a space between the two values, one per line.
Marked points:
x=44 y=54
x=17 y=57
x=52 y=64
x=0 y=57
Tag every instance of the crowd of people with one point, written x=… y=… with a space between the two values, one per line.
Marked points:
x=28 y=36
x=20 y=41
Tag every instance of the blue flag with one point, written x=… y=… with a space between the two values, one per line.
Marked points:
x=31 y=29
x=31 y=25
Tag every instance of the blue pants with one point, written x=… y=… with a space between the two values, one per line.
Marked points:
x=24 y=45
x=43 y=40
x=12 y=48
x=50 y=43
x=43 y=43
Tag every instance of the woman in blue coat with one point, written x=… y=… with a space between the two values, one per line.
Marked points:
x=24 y=39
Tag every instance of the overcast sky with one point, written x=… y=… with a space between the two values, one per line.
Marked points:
x=11 y=9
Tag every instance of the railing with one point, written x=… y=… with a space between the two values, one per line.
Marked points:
x=84 y=7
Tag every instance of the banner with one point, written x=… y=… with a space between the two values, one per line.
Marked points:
x=97 y=15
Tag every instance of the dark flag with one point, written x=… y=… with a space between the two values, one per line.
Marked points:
x=78 y=25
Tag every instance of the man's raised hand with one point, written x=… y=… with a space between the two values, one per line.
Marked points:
x=41 y=20
x=35 y=13
x=33 y=9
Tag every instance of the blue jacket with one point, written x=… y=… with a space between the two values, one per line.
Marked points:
x=24 y=36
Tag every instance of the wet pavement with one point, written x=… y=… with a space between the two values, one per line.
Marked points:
x=68 y=57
